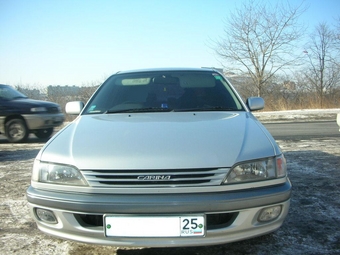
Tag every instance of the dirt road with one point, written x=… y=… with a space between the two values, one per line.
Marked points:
x=312 y=226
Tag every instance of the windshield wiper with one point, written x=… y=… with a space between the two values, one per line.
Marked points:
x=146 y=109
x=207 y=108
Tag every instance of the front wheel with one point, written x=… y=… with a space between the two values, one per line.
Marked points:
x=16 y=131
x=44 y=133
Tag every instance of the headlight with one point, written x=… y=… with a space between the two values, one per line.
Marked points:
x=38 y=109
x=257 y=170
x=57 y=174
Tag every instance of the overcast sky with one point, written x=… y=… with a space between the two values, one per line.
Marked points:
x=78 y=42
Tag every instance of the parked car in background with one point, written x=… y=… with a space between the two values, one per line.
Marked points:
x=20 y=115
x=161 y=157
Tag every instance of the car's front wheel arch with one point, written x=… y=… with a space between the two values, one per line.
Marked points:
x=16 y=130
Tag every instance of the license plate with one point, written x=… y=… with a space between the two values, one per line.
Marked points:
x=154 y=226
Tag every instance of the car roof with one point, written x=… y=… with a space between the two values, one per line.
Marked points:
x=171 y=69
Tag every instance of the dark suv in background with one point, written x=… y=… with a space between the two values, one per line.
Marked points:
x=20 y=115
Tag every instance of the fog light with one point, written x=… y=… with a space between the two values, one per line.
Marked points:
x=270 y=213
x=46 y=216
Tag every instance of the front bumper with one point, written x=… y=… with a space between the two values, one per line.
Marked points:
x=242 y=206
x=44 y=120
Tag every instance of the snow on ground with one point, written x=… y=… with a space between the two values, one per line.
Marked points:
x=298 y=115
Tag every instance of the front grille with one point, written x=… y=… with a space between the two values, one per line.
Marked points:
x=52 y=110
x=213 y=221
x=220 y=220
x=155 y=178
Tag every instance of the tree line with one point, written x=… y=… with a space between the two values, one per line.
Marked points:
x=265 y=41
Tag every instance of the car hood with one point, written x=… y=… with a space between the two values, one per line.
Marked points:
x=24 y=105
x=33 y=102
x=160 y=141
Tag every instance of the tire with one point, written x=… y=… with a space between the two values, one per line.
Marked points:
x=44 y=133
x=16 y=131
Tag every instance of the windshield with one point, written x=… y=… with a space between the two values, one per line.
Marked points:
x=164 y=91
x=9 y=93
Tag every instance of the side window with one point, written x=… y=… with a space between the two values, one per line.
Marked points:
x=3 y=93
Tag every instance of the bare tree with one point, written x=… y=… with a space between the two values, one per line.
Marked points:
x=323 y=73
x=337 y=40
x=259 y=40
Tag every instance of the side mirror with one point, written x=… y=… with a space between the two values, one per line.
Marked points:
x=255 y=103
x=74 y=108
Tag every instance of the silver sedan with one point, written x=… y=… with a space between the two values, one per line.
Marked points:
x=161 y=157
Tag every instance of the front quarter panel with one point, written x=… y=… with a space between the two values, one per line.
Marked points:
x=63 y=140
x=257 y=142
